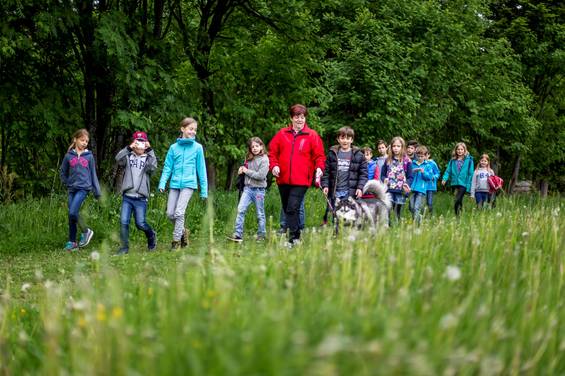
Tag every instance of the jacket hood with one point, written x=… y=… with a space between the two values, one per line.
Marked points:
x=335 y=149
x=85 y=152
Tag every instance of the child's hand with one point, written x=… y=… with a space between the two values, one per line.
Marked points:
x=443 y=182
x=358 y=193
x=406 y=188
x=276 y=171
x=386 y=182
x=325 y=190
x=242 y=170
x=161 y=190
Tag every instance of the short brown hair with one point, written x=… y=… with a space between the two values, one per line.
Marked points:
x=187 y=121
x=346 y=132
x=298 y=109
x=421 y=149
x=412 y=143
x=367 y=149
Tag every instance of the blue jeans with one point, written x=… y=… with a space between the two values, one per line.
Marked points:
x=139 y=207
x=256 y=196
x=481 y=198
x=430 y=200
x=76 y=199
x=301 y=216
x=417 y=201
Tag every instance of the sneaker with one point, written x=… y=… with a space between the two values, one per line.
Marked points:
x=281 y=231
x=85 y=238
x=122 y=251
x=71 y=246
x=175 y=245
x=152 y=241
x=260 y=238
x=184 y=238
x=235 y=238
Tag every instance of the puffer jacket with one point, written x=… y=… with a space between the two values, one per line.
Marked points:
x=358 y=173
x=185 y=166
x=298 y=155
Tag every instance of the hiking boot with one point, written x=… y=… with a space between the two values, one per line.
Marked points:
x=71 y=246
x=235 y=238
x=175 y=245
x=122 y=251
x=184 y=238
x=85 y=238
x=152 y=241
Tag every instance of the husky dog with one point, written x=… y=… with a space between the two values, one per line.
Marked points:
x=371 y=211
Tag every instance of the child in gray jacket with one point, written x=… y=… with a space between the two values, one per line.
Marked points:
x=255 y=170
x=139 y=162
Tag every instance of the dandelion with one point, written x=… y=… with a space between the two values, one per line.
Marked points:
x=95 y=256
x=453 y=273
x=117 y=312
x=26 y=286
x=101 y=312
x=23 y=312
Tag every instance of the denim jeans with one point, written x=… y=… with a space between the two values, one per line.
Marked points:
x=430 y=200
x=301 y=217
x=256 y=196
x=481 y=198
x=75 y=201
x=417 y=201
x=137 y=206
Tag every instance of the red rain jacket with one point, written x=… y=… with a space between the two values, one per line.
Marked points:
x=297 y=155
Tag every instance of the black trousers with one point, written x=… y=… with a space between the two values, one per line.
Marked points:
x=291 y=197
x=459 y=195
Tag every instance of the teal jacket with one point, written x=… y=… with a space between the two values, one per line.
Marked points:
x=420 y=179
x=185 y=166
x=463 y=177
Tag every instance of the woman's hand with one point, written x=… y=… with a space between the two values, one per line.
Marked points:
x=325 y=190
x=276 y=171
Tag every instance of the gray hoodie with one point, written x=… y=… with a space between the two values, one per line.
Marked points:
x=138 y=169
x=257 y=170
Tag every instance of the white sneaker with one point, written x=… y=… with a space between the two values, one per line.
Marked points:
x=85 y=238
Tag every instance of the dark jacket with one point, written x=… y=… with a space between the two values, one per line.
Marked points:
x=357 y=171
x=79 y=172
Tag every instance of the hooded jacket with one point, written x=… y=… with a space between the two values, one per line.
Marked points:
x=298 y=155
x=357 y=171
x=420 y=180
x=185 y=166
x=461 y=177
x=149 y=166
x=79 y=172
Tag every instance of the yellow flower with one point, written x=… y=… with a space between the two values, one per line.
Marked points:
x=117 y=312
x=101 y=312
x=22 y=311
x=82 y=322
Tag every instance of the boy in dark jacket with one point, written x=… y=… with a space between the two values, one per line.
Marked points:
x=346 y=171
x=139 y=162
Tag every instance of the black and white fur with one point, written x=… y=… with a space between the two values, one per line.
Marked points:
x=366 y=212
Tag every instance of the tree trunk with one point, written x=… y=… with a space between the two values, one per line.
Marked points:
x=544 y=188
x=212 y=174
x=515 y=173
x=229 y=174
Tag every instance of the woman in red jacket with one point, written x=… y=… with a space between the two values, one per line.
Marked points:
x=296 y=155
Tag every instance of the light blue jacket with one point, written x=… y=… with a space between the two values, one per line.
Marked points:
x=185 y=166
x=463 y=177
x=421 y=180
x=432 y=184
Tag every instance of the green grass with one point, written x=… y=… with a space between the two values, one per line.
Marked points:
x=482 y=295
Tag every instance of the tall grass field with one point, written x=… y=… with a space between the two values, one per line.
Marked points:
x=480 y=295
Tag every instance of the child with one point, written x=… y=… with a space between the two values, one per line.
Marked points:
x=382 y=150
x=346 y=173
x=411 y=149
x=479 y=184
x=422 y=175
x=459 y=172
x=78 y=174
x=431 y=185
x=139 y=162
x=372 y=167
x=185 y=166
x=397 y=174
x=255 y=171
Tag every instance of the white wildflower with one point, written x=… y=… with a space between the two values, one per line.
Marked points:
x=25 y=287
x=498 y=214
x=525 y=233
x=22 y=336
x=351 y=237
x=453 y=273
x=95 y=256
x=38 y=274
x=418 y=231
x=448 y=321
x=333 y=344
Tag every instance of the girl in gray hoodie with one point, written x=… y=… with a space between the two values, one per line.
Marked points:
x=255 y=170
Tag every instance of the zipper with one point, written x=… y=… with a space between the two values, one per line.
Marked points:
x=292 y=155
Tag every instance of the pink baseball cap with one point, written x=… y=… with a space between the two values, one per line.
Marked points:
x=140 y=136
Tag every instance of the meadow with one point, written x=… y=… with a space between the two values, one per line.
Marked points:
x=482 y=295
